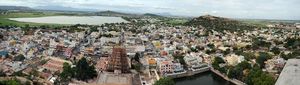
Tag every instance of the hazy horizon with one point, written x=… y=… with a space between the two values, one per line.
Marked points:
x=251 y=9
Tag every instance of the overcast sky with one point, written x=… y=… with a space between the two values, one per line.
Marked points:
x=257 y=9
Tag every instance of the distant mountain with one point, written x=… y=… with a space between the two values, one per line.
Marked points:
x=151 y=15
x=62 y=8
x=120 y=14
x=219 y=23
x=113 y=13
x=15 y=8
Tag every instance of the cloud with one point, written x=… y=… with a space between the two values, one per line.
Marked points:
x=274 y=9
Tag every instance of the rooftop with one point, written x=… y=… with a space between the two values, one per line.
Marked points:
x=290 y=74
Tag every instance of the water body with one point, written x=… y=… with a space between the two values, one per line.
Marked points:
x=206 y=78
x=89 y=20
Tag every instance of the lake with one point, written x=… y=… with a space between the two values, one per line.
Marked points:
x=206 y=78
x=89 y=20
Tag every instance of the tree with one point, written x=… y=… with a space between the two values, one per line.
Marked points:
x=260 y=42
x=227 y=51
x=83 y=71
x=292 y=43
x=2 y=74
x=211 y=45
x=237 y=71
x=263 y=56
x=137 y=57
x=244 y=65
x=294 y=54
x=258 y=77
x=275 y=50
x=248 y=55
x=94 y=29
x=19 y=58
x=137 y=67
x=165 y=81
x=179 y=57
x=10 y=82
x=1 y=36
x=216 y=62
x=67 y=73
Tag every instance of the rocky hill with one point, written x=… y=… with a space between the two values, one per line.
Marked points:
x=218 y=23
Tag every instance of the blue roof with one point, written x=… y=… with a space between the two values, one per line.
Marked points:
x=3 y=53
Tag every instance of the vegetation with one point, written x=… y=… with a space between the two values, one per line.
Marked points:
x=67 y=73
x=94 y=29
x=275 y=50
x=165 y=81
x=238 y=71
x=295 y=54
x=82 y=71
x=219 y=24
x=217 y=61
x=263 y=56
x=137 y=66
x=292 y=43
x=248 y=55
x=257 y=77
x=260 y=42
x=19 y=58
x=244 y=71
x=179 y=57
x=10 y=82
x=2 y=74
x=4 y=21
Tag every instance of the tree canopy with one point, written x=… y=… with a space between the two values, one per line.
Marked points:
x=19 y=58
x=165 y=81
x=84 y=71
x=10 y=82
x=258 y=77
x=263 y=56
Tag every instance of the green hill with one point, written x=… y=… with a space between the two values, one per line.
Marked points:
x=113 y=13
x=219 y=23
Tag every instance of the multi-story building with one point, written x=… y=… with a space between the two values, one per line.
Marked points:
x=165 y=67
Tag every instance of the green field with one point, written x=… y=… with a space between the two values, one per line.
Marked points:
x=4 y=21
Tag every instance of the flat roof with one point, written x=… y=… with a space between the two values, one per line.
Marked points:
x=290 y=75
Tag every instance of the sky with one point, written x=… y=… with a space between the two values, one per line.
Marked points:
x=250 y=9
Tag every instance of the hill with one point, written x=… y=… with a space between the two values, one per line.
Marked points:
x=151 y=15
x=15 y=8
x=219 y=23
x=113 y=13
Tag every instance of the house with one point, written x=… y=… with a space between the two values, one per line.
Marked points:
x=3 y=54
x=152 y=62
x=192 y=60
x=273 y=65
x=68 y=52
x=16 y=66
x=233 y=59
x=178 y=67
x=55 y=64
x=165 y=67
